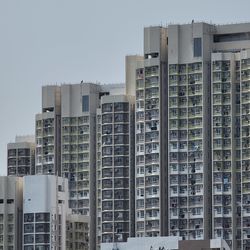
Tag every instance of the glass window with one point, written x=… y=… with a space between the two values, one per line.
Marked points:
x=42 y=227
x=85 y=103
x=10 y=217
x=28 y=228
x=42 y=238
x=197 y=47
x=121 y=106
x=107 y=107
x=28 y=239
x=42 y=217
x=28 y=217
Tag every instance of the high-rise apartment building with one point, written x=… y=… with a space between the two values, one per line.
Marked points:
x=78 y=113
x=192 y=157
x=77 y=232
x=66 y=141
x=117 y=168
x=208 y=132
x=120 y=105
x=151 y=135
x=11 y=203
x=48 y=127
x=230 y=142
x=189 y=116
x=21 y=156
x=98 y=178
x=192 y=133
x=45 y=208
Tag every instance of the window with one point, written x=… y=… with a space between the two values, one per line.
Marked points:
x=197 y=47
x=42 y=238
x=232 y=37
x=28 y=228
x=42 y=227
x=28 y=239
x=10 y=217
x=42 y=217
x=121 y=106
x=28 y=217
x=85 y=103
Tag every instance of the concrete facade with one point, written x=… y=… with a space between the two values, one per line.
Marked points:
x=45 y=207
x=11 y=203
x=151 y=136
x=66 y=141
x=48 y=127
x=77 y=232
x=189 y=116
x=166 y=243
x=208 y=132
x=117 y=168
x=21 y=156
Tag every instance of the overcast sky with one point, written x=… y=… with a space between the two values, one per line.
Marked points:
x=56 y=41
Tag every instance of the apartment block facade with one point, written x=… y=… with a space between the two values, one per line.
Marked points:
x=208 y=132
x=115 y=164
x=45 y=208
x=77 y=231
x=21 y=156
x=66 y=141
x=230 y=138
x=11 y=204
x=48 y=125
x=189 y=157
x=117 y=168
x=168 y=155
x=205 y=112
x=151 y=135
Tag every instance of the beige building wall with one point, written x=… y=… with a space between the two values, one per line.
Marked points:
x=132 y=63
x=77 y=232
x=11 y=206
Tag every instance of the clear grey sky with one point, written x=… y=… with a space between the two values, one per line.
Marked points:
x=55 y=41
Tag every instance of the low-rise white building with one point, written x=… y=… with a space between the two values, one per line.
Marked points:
x=45 y=207
x=166 y=243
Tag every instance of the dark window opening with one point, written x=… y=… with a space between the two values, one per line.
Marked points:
x=28 y=217
x=50 y=109
x=102 y=94
x=85 y=103
x=197 y=47
x=232 y=37
x=151 y=55
x=10 y=201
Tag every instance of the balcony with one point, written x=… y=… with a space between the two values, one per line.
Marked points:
x=194 y=90
x=151 y=71
x=153 y=215
x=174 y=192
x=152 y=203
x=153 y=82
x=195 y=224
x=246 y=188
x=197 y=215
